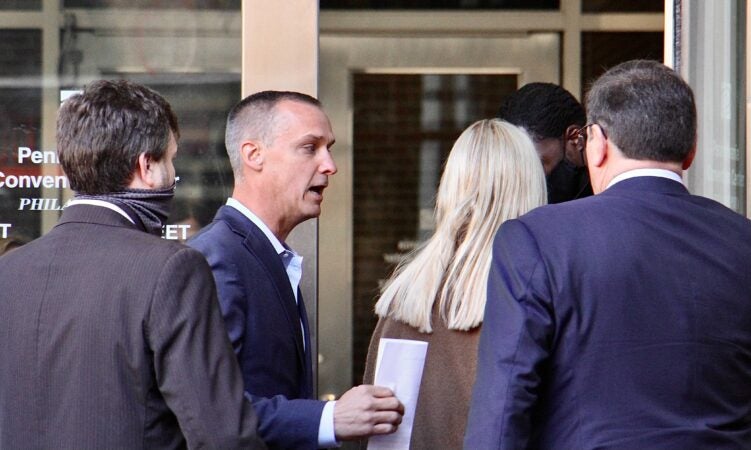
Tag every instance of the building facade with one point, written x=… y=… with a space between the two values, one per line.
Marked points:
x=399 y=79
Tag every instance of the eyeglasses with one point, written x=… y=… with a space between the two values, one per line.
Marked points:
x=581 y=139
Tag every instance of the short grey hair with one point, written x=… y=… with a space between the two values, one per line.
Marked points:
x=253 y=118
x=646 y=109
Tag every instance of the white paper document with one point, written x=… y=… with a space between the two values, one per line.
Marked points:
x=399 y=367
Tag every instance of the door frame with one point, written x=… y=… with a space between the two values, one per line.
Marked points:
x=530 y=56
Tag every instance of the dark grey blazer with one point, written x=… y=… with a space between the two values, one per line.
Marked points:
x=112 y=338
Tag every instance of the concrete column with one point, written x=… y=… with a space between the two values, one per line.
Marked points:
x=280 y=52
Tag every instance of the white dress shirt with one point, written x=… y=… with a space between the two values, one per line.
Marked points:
x=662 y=173
x=102 y=203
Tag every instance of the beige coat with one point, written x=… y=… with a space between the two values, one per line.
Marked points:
x=447 y=379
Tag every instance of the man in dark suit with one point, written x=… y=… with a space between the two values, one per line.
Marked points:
x=623 y=320
x=110 y=336
x=279 y=148
x=552 y=117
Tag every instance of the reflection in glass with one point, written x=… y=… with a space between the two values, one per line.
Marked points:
x=596 y=6
x=20 y=132
x=442 y=4
x=715 y=35
x=155 y=4
x=201 y=102
x=601 y=51
x=404 y=127
x=21 y=5
x=195 y=67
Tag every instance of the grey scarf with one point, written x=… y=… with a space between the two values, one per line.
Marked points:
x=148 y=208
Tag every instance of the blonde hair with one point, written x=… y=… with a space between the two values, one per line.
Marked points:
x=492 y=174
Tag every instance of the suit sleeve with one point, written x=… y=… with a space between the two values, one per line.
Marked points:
x=288 y=424
x=232 y=298
x=196 y=370
x=514 y=343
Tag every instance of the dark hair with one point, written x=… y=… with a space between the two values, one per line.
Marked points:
x=252 y=118
x=646 y=109
x=101 y=132
x=545 y=110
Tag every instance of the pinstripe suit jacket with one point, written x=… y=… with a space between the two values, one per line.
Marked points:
x=112 y=338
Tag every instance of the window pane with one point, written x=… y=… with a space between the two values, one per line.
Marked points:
x=442 y=4
x=601 y=51
x=20 y=125
x=196 y=68
x=201 y=103
x=151 y=4
x=714 y=67
x=24 y=5
x=404 y=128
x=594 y=6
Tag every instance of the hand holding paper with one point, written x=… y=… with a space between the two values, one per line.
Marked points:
x=365 y=411
x=399 y=366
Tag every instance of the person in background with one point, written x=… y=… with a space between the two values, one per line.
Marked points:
x=438 y=295
x=622 y=320
x=111 y=337
x=552 y=117
x=279 y=146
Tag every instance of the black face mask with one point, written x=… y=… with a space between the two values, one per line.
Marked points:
x=567 y=182
x=149 y=208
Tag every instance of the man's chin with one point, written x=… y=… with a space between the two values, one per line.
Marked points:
x=311 y=212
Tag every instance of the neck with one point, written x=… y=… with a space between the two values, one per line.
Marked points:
x=267 y=214
x=606 y=174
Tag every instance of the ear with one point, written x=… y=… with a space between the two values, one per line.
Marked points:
x=571 y=135
x=597 y=147
x=570 y=142
x=143 y=176
x=252 y=154
x=689 y=158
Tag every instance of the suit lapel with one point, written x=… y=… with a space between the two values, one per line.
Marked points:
x=258 y=244
x=308 y=384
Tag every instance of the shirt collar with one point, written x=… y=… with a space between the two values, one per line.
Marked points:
x=278 y=246
x=662 y=173
x=102 y=203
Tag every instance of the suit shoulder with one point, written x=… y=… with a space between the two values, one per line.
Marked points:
x=168 y=257
x=154 y=244
x=722 y=211
x=218 y=234
x=561 y=212
x=224 y=246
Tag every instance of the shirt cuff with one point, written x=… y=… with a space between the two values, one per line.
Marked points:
x=326 y=435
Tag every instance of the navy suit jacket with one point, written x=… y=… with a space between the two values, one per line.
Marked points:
x=619 y=321
x=263 y=323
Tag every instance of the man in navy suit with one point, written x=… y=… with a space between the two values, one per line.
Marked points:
x=279 y=148
x=622 y=320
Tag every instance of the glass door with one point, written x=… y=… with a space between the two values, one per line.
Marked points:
x=189 y=53
x=397 y=104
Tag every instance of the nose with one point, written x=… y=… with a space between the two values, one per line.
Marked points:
x=327 y=166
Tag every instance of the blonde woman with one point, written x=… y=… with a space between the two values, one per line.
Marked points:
x=438 y=294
